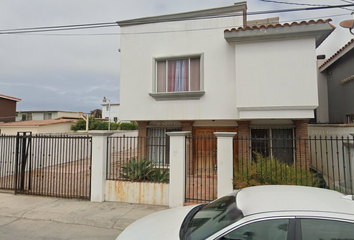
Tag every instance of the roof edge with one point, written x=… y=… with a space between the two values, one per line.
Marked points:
x=237 y=7
x=320 y=29
x=10 y=98
x=337 y=55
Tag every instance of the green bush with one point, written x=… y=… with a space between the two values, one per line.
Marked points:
x=80 y=125
x=143 y=170
x=160 y=175
x=128 y=126
x=94 y=125
x=270 y=171
x=136 y=171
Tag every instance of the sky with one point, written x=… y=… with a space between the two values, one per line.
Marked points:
x=74 y=70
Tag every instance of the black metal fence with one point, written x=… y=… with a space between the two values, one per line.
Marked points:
x=201 y=167
x=58 y=166
x=139 y=159
x=333 y=157
x=317 y=161
x=325 y=162
x=7 y=161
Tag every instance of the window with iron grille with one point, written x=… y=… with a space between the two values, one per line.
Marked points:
x=159 y=145
x=274 y=143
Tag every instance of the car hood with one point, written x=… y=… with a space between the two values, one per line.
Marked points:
x=161 y=225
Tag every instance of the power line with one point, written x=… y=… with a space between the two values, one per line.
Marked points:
x=292 y=3
x=142 y=21
x=56 y=29
x=172 y=31
x=347 y=1
x=113 y=24
x=62 y=26
x=304 y=4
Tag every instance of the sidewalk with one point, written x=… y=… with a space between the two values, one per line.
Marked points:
x=32 y=217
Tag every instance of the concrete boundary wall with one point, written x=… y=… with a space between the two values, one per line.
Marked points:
x=157 y=193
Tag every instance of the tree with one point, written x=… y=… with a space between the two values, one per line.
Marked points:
x=97 y=113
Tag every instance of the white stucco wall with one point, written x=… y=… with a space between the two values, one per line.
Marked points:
x=53 y=128
x=14 y=130
x=137 y=192
x=276 y=79
x=40 y=115
x=137 y=69
x=331 y=151
x=66 y=114
x=115 y=112
x=254 y=80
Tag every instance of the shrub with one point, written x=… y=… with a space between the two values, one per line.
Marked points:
x=128 y=126
x=94 y=125
x=270 y=171
x=136 y=171
x=143 y=170
x=158 y=175
x=80 y=125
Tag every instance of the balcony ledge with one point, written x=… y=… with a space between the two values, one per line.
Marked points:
x=165 y=96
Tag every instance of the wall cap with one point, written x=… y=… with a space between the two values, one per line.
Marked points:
x=101 y=133
x=225 y=134
x=177 y=134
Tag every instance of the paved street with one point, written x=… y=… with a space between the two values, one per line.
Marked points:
x=32 y=217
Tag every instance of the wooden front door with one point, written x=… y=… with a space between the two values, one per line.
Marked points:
x=205 y=150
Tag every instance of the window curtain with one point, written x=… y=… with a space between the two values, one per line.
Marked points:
x=178 y=75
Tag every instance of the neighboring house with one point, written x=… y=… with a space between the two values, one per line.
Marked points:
x=8 y=108
x=191 y=72
x=46 y=115
x=337 y=78
x=37 y=126
x=111 y=112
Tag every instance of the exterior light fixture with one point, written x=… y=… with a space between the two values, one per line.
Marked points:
x=109 y=112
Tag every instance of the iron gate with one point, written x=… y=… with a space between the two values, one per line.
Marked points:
x=56 y=166
x=201 y=162
x=7 y=162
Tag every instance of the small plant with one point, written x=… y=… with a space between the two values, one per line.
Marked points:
x=158 y=175
x=143 y=170
x=270 y=171
x=136 y=171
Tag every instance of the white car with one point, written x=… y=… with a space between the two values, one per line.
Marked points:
x=255 y=213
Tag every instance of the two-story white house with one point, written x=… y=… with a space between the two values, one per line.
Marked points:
x=111 y=111
x=209 y=71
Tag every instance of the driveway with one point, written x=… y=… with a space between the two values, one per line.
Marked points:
x=31 y=217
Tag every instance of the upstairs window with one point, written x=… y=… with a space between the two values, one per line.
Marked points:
x=26 y=116
x=178 y=75
x=47 y=116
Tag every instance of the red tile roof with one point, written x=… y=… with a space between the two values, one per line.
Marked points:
x=278 y=25
x=338 y=52
x=36 y=123
x=10 y=98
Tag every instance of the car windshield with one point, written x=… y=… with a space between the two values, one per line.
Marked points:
x=212 y=217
